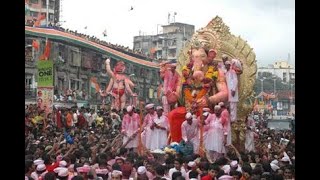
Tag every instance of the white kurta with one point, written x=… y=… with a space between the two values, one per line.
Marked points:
x=232 y=83
x=158 y=138
x=191 y=133
x=249 y=143
x=146 y=134
x=215 y=134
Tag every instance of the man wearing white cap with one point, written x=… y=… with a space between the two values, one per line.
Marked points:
x=130 y=128
x=190 y=131
x=40 y=172
x=142 y=172
x=159 y=130
x=192 y=166
x=233 y=95
x=225 y=177
x=63 y=174
x=216 y=137
x=235 y=166
x=225 y=114
x=145 y=136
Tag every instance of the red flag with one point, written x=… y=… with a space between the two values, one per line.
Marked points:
x=35 y=44
x=46 y=53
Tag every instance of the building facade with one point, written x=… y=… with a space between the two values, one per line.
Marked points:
x=280 y=69
x=34 y=7
x=166 y=45
x=77 y=60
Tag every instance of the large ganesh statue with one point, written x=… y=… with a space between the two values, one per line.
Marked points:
x=202 y=82
x=119 y=87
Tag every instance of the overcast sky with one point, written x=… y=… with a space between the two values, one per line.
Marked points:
x=267 y=25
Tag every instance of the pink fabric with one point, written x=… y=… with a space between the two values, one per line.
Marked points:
x=111 y=162
x=226 y=116
x=170 y=81
x=150 y=175
x=191 y=133
x=130 y=125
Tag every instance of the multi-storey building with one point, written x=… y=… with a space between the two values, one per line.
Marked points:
x=166 y=45
x=77 y=59
x=281 y=69
x=40 y=6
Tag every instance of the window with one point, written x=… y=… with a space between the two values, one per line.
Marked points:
x=74 y=84
x=259 y=74
x=292 y=75
x=44 y=3
x=34 y=1
x=51 y=4
x=51 y=16
x=28 y=81
x=284 y=77
x=137 y=45
x=75 y=58
x=34 y=14
x=145 y=45
x=60 y=85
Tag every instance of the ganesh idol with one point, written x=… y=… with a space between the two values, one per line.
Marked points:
x=202 y=84
x=120 y=86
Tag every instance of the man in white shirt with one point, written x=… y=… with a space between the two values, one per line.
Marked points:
x=233 y=92
x=190 y=131
x=178 y=166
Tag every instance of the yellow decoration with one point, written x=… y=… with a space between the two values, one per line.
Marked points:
x=211 y=73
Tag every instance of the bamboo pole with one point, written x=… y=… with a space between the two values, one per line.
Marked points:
x=140 y=148
x=201 y=152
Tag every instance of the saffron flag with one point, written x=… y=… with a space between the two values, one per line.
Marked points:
x=35 y=44
x=46 y=53
x=94 y=84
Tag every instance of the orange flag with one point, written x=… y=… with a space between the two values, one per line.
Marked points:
x=46 y=54
x=35 y=44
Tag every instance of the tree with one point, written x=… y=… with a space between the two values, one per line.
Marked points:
x=268 y=85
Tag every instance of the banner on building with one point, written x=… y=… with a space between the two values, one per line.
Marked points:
x=45 y=99
x=45 y=73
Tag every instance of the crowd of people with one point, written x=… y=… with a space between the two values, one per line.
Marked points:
x=126 y=50
x=71 y=95
x=83 y=143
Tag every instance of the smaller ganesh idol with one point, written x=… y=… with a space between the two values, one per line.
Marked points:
x=120 y=86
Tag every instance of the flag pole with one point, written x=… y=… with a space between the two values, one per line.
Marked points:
x=140 y=145
x=47 y=23
x=201 y=147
